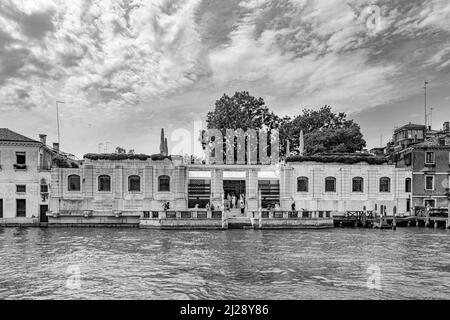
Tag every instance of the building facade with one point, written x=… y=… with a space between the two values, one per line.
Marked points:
x=122 y=191
x=25 y=166
x=429 y=162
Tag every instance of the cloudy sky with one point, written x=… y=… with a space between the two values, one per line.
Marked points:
x=127 y=68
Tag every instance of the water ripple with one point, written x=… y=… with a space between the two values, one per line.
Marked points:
x=234 y=264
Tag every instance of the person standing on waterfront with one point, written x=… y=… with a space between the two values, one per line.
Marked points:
x=233 y=201
x=242 y=204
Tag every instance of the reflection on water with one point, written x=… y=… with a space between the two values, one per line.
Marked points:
x=233 y=264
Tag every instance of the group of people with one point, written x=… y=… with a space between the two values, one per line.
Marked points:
x=231 y=201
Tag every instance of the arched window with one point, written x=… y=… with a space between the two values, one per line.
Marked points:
x=74 y=182
x=385 y=184
x=164 y=183
x=357 y=184
x=104 y=183
x=302 y=184
x=330 y=184
x=134 y=183
x=408 y=185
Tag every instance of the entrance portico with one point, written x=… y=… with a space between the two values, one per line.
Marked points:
x=236 y=180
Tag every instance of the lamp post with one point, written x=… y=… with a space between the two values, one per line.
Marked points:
x=57 y=120
x=425 y=90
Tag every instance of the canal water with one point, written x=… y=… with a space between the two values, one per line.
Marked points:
x=97 y=263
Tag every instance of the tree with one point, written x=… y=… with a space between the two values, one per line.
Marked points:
x=241 y=111
x=120 y=150
x=324 y=131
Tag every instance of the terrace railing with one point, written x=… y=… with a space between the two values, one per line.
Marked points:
x=290 y=214
x=181 y=214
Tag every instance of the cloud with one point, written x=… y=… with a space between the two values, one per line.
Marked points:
x=125 y=59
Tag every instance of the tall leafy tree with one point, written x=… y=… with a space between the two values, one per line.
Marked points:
x=241 y=111
x=324 y=130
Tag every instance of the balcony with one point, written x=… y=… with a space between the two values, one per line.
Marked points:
x=20 y=167
x=44 y=167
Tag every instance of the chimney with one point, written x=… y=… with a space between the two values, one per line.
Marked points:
x=162 y=142
x=43 y=138
x=56 y=146
x=446 y=126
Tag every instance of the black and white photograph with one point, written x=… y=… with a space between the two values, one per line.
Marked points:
x=252 y=151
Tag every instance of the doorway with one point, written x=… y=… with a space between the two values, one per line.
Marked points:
x=234 y=188
x=43 y=213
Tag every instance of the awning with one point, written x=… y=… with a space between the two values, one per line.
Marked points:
x=200 y=174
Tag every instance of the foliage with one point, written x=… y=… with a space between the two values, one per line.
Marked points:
x=124 y=156
x=324 y=130
x=120 y=150
x=241 y=111
x=339 y=158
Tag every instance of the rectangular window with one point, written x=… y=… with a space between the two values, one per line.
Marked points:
x=21 y=158
x=1 y=208
x=44 y=188
x=408 y=159
x=270 y=193
x=21 y=208
x=21 y=188
x=429 y=182
x=199 y=192
x=429 y=157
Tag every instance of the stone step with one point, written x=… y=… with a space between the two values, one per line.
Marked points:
x=239 y=223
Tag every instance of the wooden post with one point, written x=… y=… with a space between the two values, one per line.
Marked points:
x=364 y=217
x=427 y=219
x=447 y=223
x=259 y=209
x=224 y=213
x=394 y=222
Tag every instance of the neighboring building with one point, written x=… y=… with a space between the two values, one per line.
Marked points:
x=378 y=151
x=407 y=135
x=121 y=189
x=429 y=162
x=24 y=178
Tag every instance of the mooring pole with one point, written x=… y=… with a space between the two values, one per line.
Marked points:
x=447 y=223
